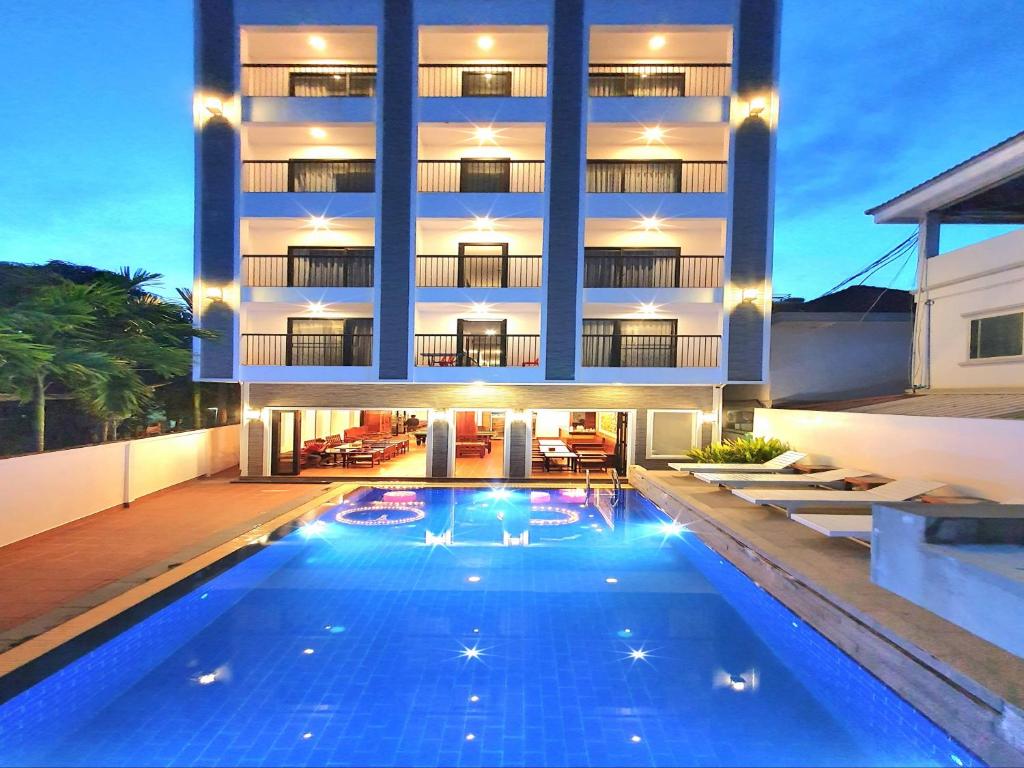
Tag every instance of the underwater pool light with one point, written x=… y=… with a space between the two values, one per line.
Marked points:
x=611 y=580
x=472 y=579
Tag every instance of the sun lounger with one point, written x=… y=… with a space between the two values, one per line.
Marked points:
x=781 y=463
x=831 y=477
x=897 y=490
x=838 y=526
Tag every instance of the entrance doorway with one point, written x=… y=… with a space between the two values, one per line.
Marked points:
x=571 y=443
x=285 y=442
x=479 y=443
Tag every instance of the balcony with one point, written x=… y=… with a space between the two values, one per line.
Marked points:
x=650 y=268
x=614 y=350
x=310 y=267
x=308 y=175
x=309 y=80
x=480 y=175
x=656 y=176
x=659 y=80
x=482 y=80
x=477 y=350
x=469 y=271
x=307 y=349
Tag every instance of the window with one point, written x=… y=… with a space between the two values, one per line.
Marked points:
x=629 y=343
x=998 y=336
x=329 y=341
x=670 y=434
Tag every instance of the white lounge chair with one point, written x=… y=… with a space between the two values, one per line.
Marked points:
x=781 y=463
x=831 y=477
x=897 y=490
x=838 y=526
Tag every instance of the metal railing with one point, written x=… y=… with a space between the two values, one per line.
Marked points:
x=472 y=175
x=483 y=80
x=449 y=350
x=478 y=271
x=309 y=80
x=349 y=268
x=319 y=349
x=615 y=269
x=650 y=351
x=308 y=175
x=656 y=175
x=660 y=80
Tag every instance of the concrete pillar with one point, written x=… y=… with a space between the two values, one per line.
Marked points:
x=440 y=445
x=927 y=247
x=517 y=446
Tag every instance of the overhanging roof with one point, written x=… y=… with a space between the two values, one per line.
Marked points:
x=987 y=188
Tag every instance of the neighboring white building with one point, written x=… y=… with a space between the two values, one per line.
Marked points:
x=541 y=211
x=969 y=324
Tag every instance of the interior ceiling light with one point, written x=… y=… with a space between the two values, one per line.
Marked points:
x=485 y=134
x=656 y=43
x=648 y=309
x=654 y=133
x=485 y=42
x=318 y=133
x=650 y=223
x=483 y=223
x=317 y=42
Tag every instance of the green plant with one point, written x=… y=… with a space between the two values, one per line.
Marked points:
x=743 y=450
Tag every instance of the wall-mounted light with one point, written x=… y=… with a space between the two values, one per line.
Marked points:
x=485 y=42
x=656 y=43
x=215 y=294
x=315 y=307
x=708 y=417
x=253 y=413
x=317 y=42
x=757 y=105
x=319 y=223
x=483 y=223
x=480 y=309
x=647 y=309
x=317 y=132
x=214 y=106
x=750 y=295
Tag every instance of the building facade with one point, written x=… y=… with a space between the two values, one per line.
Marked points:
x=555 y=214
x=969 y=313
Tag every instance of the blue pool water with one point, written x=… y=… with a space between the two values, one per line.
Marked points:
x=614 y=639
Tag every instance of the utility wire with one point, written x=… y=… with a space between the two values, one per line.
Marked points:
x=881 y=262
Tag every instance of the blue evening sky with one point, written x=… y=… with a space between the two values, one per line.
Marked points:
x=876 y=95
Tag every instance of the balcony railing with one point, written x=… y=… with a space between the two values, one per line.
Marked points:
x=448 y=350
x=660 y=80
x=650 y=351
x=348 y=268
x=307 y=349
x=478 y=271
x=483 y=80
x=614 y=268
x=309 y=80
x=308 y=175
x=656 y=175
x=472 y=175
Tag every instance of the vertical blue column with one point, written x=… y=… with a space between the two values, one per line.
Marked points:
x=396 y=174
x=565 y=164
x=217 y=152
x=753 y=143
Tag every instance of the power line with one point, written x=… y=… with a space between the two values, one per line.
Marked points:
x=881 y=262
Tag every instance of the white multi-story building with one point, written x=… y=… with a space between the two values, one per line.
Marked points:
x=554 y=215
x=969 y=319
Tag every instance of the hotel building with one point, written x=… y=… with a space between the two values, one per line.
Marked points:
x=508 y=220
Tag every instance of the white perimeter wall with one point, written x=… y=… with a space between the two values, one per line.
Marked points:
x=978 y=457
x=45 y=490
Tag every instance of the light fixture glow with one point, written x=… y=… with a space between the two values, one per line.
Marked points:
x=483 y=223
x=307 y=735
x=308 y=651
x=485 y=134
x=213 y=105
x=317 y=42
x=315 y=308
x=485 y=42
x=635 y=739
x=757 y=105
x=672 y=528
x=637 y=654
x=650 y=223
x=611 y=580
x=656 y=43
x=207 y=678
x=470 y=736
x=471 y=652
x=474 y=698
x=750 y=295
x=215 y=294
x=480 y=308
x=473 y=579
x=737 y=683
x=647 y=309
x=317 y=132
x=653 y=133
x=319 y=223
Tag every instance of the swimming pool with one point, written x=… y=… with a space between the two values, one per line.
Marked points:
x=462 y=627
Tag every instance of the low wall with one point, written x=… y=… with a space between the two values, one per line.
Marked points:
x=977 y=457
x=45 y=490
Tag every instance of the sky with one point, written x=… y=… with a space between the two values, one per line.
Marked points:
x=875 y=96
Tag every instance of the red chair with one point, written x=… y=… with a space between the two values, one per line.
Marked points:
x=312 y=452
x=532 y=363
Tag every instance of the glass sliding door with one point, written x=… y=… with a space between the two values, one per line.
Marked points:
x=285 y=442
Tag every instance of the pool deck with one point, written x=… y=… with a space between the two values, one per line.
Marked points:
x=59 y=574
x=971 y=688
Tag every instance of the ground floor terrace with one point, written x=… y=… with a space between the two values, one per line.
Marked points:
x=482 y=431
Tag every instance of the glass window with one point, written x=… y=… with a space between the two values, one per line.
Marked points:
x=670 y=434
x=999 y=336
